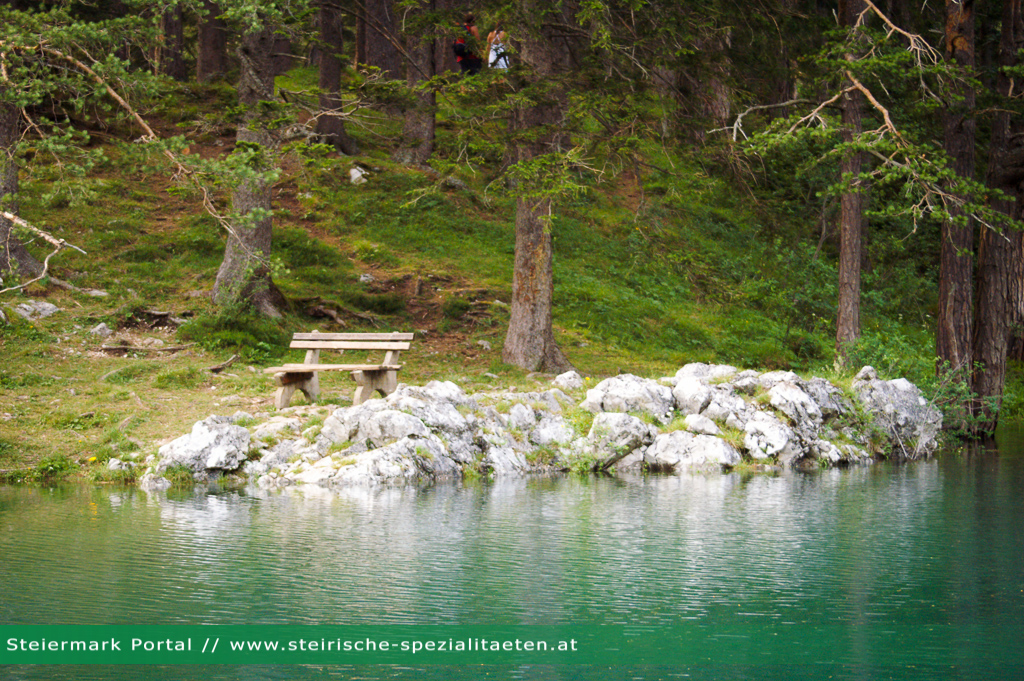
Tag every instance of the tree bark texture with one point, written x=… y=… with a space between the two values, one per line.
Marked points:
x=212 y=57
x=956 y=266
x=283 y=60
x=380 y=30
x=1000 y=252
x=530 y=342
x=332 y=127
x=244 y=274
x=714 y=95
x=851 y=214
x=171 y=53
x=419 y=120
x=14 y=257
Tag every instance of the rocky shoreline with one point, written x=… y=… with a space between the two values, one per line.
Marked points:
x=704 y=418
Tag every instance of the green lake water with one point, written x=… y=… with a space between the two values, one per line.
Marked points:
x=902 y=572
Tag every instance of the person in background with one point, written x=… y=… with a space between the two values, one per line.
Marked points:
x=466 y=48
x=497 y=49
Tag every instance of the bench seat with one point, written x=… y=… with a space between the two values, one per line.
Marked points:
x=382 y=378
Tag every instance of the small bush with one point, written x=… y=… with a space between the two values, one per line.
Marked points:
x=123 y=476
x=455 y=308
x=581 y=420
x=180 y=476
x=383 y=303
x=255 y=338
x=188 y=377
x=52 y=468
x=542 y=456
x=299 y=250
x=374 y=253
x=583 y=464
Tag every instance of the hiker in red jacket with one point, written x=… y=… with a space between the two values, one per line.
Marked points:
x=467 y=47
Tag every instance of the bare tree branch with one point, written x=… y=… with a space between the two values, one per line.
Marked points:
x=737 y=126
x=58 y=244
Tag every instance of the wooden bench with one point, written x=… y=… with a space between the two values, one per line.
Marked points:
x=381 y=377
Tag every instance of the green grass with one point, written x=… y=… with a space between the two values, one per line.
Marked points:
x=696 y=271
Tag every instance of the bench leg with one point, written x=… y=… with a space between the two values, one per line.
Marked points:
x=311 y=388
x=308 y=383
x=283 y=396
x=384 y=381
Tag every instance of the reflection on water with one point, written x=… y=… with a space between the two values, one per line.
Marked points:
x=854 y=553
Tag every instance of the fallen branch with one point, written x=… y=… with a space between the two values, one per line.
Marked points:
x=222 y=366
x=117 y=349
x=321 y=311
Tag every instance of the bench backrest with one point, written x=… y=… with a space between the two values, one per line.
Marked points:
x=392 y=343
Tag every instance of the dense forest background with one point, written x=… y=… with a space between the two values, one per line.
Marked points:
x=778 y=184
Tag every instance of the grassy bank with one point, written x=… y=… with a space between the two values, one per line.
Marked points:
x=655 y=266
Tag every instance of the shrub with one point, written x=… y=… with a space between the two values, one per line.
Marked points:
x=123 y=476
x=188 y=377
x=455 y=308
x=235 y=328
x=52 y=468
x=180 y=476
x=383 y=303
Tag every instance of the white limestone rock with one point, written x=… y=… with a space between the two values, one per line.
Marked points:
x=389 y=425
x=629 y=393
x=765 y=436
x=911 y=422
x=614 y=436
x=36 y=309
x=213 y=444
x=570 y=380
x=521 y=417
x=695 y=423
x=101 y=330
x=552 y=430
x=691 y=394
x=792 y=401
x=707 y=372
x=681 y=451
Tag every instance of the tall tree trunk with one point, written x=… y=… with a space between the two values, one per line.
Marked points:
x=714 y=95
x=332 y=127
x=171 y=54
x=956 y=266
x=419 y=121
x=999 y=254
x=244 y=274
x=283 y=60
x=851 y=215
x=530 y=341
x=13 y=255
x=212 y=58
x=380 y=30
